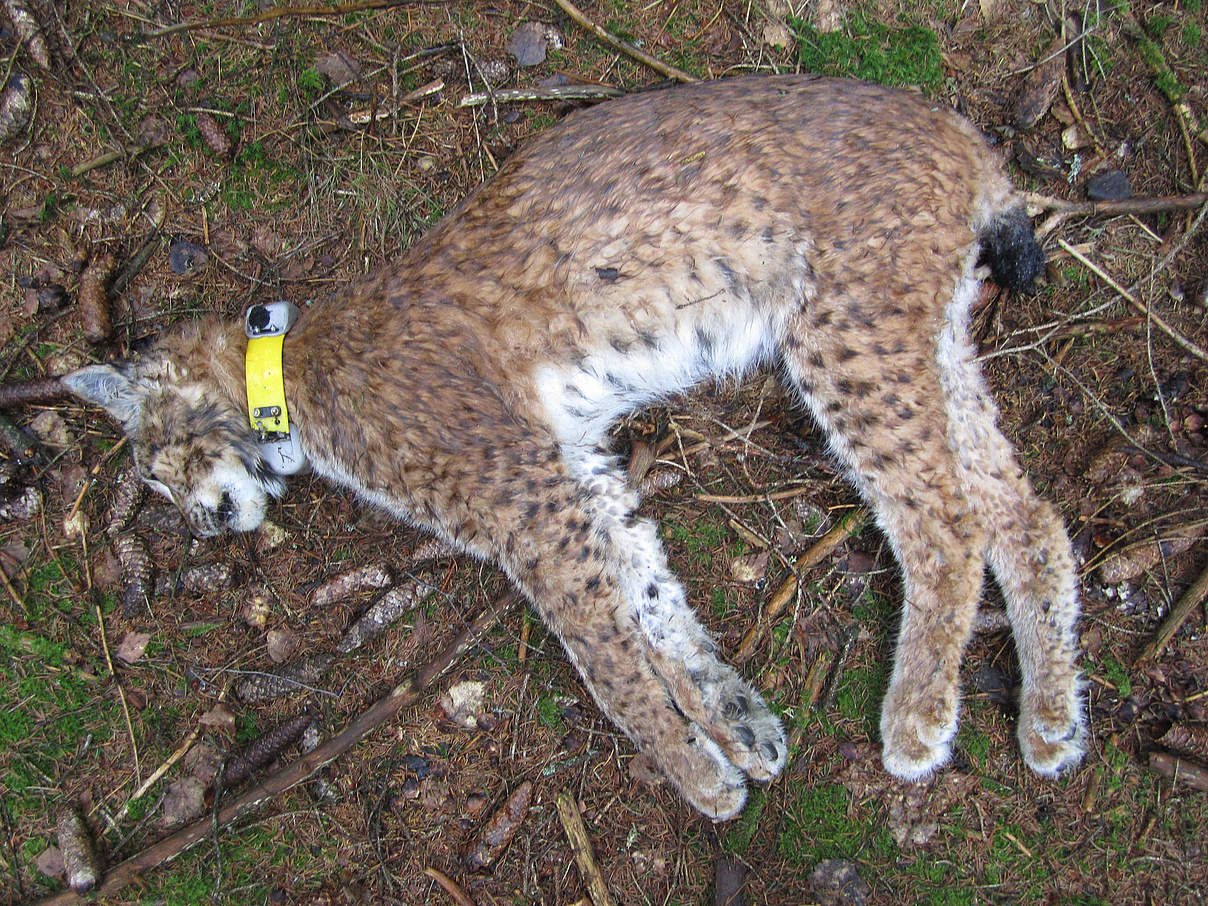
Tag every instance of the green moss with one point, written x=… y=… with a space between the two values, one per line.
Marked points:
x=742 y=831
x=549 y=714
x=869 y=50
x=817 y=827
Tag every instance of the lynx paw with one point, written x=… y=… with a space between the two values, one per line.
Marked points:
x=914 y=744
x=1052 y=736
x=704 y=776
x=750 y=735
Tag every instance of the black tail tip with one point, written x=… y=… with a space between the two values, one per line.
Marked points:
x=1009 y=247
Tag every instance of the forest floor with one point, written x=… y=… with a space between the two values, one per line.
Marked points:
x=221 y=160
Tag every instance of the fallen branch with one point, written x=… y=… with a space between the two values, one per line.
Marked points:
x=296 y=772
x=624 y=47
x=560 y=93
x=823 y=547
x=580 y=845
x=26 y=393
x=1190 y=600
x=1121 y=206
x=1176 y=769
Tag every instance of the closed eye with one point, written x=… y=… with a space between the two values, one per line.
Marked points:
x=159 y=488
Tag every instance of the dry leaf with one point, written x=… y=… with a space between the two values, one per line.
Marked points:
x=12 y=555
x=1040 y=86
x=184 y=800
x=777 y=34
x=50 y=862
x=462 y=703
x=342 y=69
x=130 y=649
x=203 y=762
x=281 y=645
x=527 y=43
x=219 y=717
x=750 y=567
x=255 y=612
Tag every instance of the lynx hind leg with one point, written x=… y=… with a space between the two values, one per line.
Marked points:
x=707 y=690
x=1029 y=552
x=881 y=405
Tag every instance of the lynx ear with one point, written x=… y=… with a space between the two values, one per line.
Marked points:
x=110 y=388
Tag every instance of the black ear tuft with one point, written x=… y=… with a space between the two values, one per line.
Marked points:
x=1009 y=247
x=110 y=387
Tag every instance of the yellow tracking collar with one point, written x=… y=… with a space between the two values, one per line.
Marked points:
x=266 y=386
x=266 y=326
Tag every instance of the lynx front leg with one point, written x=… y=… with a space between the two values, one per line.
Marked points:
x=554 y=545
x=707 y=690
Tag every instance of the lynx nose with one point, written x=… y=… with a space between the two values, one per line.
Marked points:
x=225 y=508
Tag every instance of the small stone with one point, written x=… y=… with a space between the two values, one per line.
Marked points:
x=185 y=257
x=527 y=43
x=837 y=883
x=1110 y=186
x=281 y=645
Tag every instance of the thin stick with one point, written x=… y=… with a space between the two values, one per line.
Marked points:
x=580 y=845
x=785 y=494
x=1190 y=601
x=160 y=771
x=96 y=470
x=823 y=547
x=626 y=48
x=451 y=887
x=401 y=696
x=1120 y=206
x=560 y=93
x=1181 y=340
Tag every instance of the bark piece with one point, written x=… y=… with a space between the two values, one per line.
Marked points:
x=79 y=855
x=1041 y=85
x=499 y=830
x=95 y=319
x=347 y=584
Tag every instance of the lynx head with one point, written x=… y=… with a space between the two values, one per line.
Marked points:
x=190 y=438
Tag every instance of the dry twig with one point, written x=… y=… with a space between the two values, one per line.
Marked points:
x=580 y=845
x=1121 y=206
x=1190 y=601
x=1194 y=348
x=625 y=47
x=451 y=887
x=560 y=93
x=27 y=393
x=278 y=12
x=296 y=772
x=823 y=547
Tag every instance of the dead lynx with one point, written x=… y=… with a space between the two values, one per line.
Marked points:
x=830 y=229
